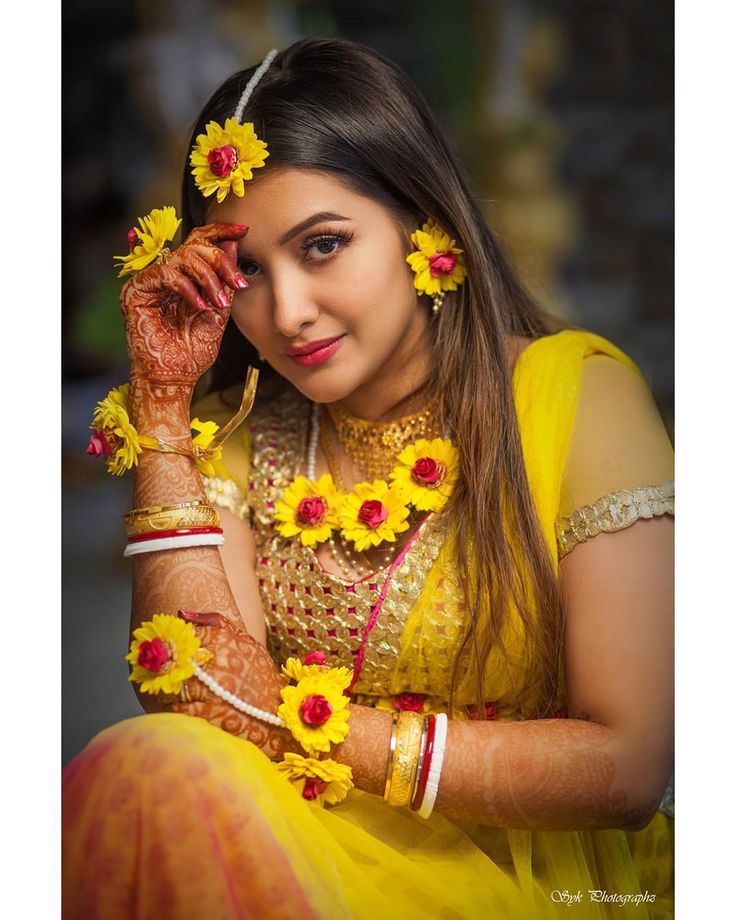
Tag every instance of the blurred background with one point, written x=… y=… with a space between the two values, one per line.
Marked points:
x=561 y=112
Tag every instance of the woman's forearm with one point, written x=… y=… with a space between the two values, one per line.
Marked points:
x=551 y=774
x=192 y=578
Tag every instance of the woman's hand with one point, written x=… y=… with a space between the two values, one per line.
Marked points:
x=173 y=332
x=244 y=667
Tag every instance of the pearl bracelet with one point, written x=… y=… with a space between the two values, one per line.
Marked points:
x=235 y=701
x=435 y=768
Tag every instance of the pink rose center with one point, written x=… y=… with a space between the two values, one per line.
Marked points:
x=98 y=445
x=442 y=263
x=372 y=513
x=313 y=788
x=409 y=702
x=153 y=654
x=132 y=238
x=428 y=472
x=314 y=658
x=222 y=160
x=316 y=710
x=311 y=510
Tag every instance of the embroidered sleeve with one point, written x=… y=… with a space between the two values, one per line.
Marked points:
x=227 y=494
x=614 y=512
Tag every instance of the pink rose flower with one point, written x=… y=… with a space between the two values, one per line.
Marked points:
x=315 y=710
x=313 y=788
x=153 y=654
x=132 y=238
x=442 y=263
x=491 y=712
x=409 y=702
x=98 y=446
x=314 y=658
x=222 y=160
x=311 y=510
x=428 y=471
x=373 y=513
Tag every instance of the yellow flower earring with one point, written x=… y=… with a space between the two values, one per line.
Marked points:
x=438 y=264
x=224 y=158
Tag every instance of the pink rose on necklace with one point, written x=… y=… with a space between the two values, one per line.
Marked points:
x=442 y=263
x=409 y=702
x=314 y=658
x=428 y=471
x=222 y=160
x=372 y=513
x=312 y=510
x=153 y=654
x=316 y=710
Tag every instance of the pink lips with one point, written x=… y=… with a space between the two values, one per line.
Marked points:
x=322 y=351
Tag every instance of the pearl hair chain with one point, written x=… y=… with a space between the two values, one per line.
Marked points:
x=236 y=702
x=248 y=91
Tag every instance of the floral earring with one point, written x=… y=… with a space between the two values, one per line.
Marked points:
x=438 y=264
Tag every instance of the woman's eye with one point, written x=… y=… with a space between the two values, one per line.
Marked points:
x=318 y=249
x=326 y=247
x=248 y=268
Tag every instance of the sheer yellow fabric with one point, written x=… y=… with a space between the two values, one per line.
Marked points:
x=166 y=816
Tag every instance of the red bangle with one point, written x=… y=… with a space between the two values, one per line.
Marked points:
x=426 y=763
x=179 y=532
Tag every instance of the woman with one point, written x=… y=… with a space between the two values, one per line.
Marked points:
x=532 y=603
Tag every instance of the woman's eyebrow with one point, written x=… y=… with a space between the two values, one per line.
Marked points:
x=303 y=225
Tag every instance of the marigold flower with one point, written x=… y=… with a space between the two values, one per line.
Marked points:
x=426 y=473
x=110 y=421
x=155 y=230
x=371 y=513
x=321 y=780
x=438 y=264
x=164 y=653
x=225 y=157
x=299 y=707
x=308 y=508
x=210 y=465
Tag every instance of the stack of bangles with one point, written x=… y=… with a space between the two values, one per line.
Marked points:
x=416 y=753
x=191 y=523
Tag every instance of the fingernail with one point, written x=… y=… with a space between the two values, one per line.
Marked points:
x=223 y=298
x=202 y=303
x=240 y=228
x=241 y=281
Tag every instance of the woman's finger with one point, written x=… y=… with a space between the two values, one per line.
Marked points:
x=188 y=292
x=200 y=272
x=215 y=233
x=208 y=618
x=225 y=266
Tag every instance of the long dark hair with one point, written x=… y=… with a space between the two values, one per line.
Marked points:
x=337 y=106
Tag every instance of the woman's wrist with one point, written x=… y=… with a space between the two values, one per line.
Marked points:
x=161 y=410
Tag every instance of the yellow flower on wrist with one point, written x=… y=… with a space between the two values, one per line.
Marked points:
x=114 y=437
x=316 y=710
x=225 y=157
x=371 y=513
x=426 y=473
x=164 y=653
x=438 y=264
x=210 y=465
x=308 y=508
x=317 y=780
x=148 y=241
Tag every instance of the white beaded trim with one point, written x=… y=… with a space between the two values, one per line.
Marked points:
x=248 y=91
x=313 y=440
x=435 y=767
x=235 y=701
x=185 y=540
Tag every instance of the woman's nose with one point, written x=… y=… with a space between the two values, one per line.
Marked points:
x=293 y=308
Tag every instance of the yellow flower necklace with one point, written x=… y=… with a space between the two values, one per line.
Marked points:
x=372 y=513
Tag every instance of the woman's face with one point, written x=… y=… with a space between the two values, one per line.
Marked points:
x=325 y=263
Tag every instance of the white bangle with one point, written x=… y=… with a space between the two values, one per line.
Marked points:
x=435 y=766
x=192 y=539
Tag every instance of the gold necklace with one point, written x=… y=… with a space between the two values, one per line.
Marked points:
x=374 y=446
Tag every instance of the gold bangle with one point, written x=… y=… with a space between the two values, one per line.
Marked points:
x=406 y=759
x=391 y=755
x=202 y=516
x=155 y=509
x=421 y=756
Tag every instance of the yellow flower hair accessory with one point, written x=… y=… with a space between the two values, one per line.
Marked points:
x=309 y=509
x=165 y=652
x=114 y=437
x=426 y=473
x=225 y=157
x=317 y=780
x=438 y=264
x=371 y=513
x=316 y=710
x=147 y=242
